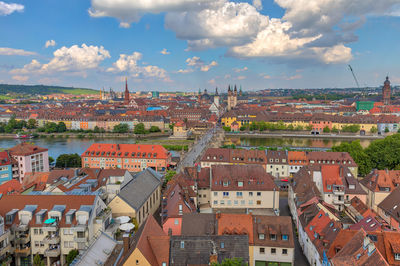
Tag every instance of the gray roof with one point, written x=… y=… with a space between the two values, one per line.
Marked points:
x=197 y=249
x=199 y=224
x=140 y=188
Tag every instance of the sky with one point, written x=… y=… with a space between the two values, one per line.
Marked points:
x=187 y=45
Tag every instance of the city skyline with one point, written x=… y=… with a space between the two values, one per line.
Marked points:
x=187 y=45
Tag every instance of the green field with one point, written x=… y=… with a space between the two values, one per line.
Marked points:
x=40 y=90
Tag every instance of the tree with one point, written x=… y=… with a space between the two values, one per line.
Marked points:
x=121 y=128
x=309 y=127
x=61 y=127
x=71 y=256
x=139 y=129
x=154 y=129
x=359 y=155
x=51 y=159
x=334 y=130
x=69 y=160
x=386 y=130
x=169 y=175
x=326 y=129
x=230 y=262
x=32 y=123
x=50 y=127
x=374 y=130
x=37 y=260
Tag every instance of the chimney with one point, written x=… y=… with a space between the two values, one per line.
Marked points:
x=169 y=231
x=341 y=171
x=218 y=215
x=126 y=242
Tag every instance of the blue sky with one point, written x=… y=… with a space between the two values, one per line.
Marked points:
x=207 y=43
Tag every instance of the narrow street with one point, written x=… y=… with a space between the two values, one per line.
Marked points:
x=299 y=258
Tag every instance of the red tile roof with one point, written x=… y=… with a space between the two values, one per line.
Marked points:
x=235 y=224
x=25 y=149
x=126 y=151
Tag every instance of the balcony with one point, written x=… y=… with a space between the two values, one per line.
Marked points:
x=22 y=251
x=103 y=215
x=338 y=201
x=338 y=192
x=22 y=239
x=22 y=228
x=52 y=239
x=79 y=239
x=50 y=227
x=52 y=252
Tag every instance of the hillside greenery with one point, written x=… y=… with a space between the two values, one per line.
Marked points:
x=40 y=90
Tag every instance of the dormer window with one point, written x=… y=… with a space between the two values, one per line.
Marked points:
x=261 y=236
x=285 y=237
x=225 y=183
x=240 y=183
x=397 y=256
x=273 y=236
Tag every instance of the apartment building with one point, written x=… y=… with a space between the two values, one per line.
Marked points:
x=30 y=158
x=140 y=197
x=379 y=184
x=220 y=156
x=296 y=160
x=389 y=209
x=332 y=158
x=133 y=157
x=52 y=225
x=242 y=187
x=277 y=163
x=5 y=244
x=6 y=167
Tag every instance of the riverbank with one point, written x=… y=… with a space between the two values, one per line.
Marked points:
x=66 y=135
x=289 y=134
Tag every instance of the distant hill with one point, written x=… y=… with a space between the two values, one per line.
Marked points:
x=42 y=89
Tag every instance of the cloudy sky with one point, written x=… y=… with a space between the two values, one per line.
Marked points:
x=190 y=44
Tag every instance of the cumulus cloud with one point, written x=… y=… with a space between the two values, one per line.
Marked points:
x=8 y=9
x=20 y=78
x=72 y=59
x=226 y=25
x=212 y=82
x=12 y=51
x=298 y=76
x=257 y=4
x=128 y=11
x=241 y=77
x=130 y=65
x=164 y=51
x=50 y=43
x=237 y=70
x=196 y=63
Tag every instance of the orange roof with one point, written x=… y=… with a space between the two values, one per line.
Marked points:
x=126 y=151
x=10 y=186
x=25 y=149
x=330 y=176
x=297 y=157
x=235 y=224
x=37 y=179
x=317 y=224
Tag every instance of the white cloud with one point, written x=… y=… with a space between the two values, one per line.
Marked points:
x=224 y=25
x=196 y=63
x=7 y=9
x=20 y=78
x=50 y=43
x=237 y=70
x=128 y=11
x=227 y=76
x=12 y=51
x=265 y=76
x=72 y=59
x=257 y=4
x=129 y=64
x=212 y=82
x=164 y=51
x=241 y=77
x=298 y=76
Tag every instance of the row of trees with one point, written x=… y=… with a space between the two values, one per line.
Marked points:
x=380 y=154
x=270 y=126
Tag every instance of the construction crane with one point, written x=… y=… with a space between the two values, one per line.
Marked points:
x=355 y=79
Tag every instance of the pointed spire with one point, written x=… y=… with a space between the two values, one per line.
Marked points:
x=216 y=90
x=235 y=88
x=126 y=83
x=229 y=87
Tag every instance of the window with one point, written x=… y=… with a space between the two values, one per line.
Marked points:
x=229 y=202
x=285 y=237
x=284 y=251
x=215 y=193
x=226 y=194
x=240 y=184
x=36 y=243
x=273 y=250
x=251 y=194
x=397 y=256
x=261 y=236
x=235 y=202
x=242 y=202
x=222 y=202
x=215 y=202
x=258 y=202
x=182 y=244
x=225 y=183
x=222 y=245
x=273 y=237
x=176 y=221
x=262 y=250
x=239 y=194
x=259 y=194
x=250 y=202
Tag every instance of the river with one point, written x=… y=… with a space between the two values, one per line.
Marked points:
x=290 y=142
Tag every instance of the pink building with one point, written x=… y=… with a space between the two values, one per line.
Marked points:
x=30 y=158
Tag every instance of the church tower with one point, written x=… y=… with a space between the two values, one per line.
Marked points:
x=216 y=98
x=126 y=98
x=386 y=92
x=232 y=98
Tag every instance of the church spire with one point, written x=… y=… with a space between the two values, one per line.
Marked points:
x=126 y=98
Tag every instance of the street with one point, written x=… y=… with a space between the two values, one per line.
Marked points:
x=191 y=156
x=299 y=258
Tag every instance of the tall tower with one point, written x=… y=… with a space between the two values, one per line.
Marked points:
x=386 y=92
x=126 y=98
x=216 y=98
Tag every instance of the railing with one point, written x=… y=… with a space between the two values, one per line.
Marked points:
x=337 y=201
x=80 y=239
x=22 y=251
x=52 y=240
x=54 y=252
x=22 y=239
x=338 y=192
